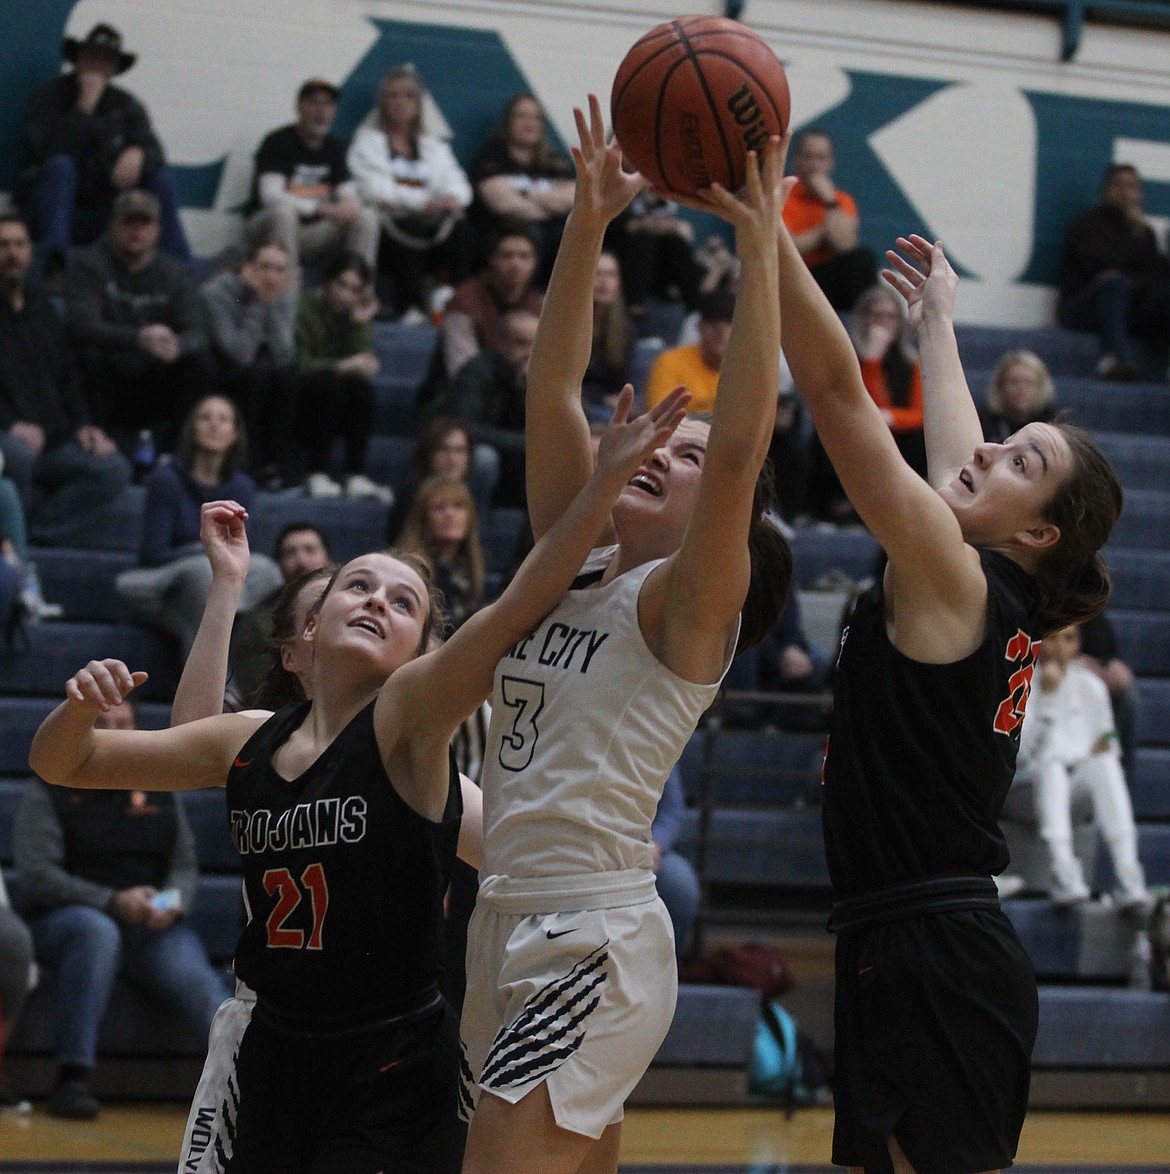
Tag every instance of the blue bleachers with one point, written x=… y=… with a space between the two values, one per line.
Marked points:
x=1065 y=352
x=405 y=352
x=1149 y=788
x=1095 y=1027
x=778 y=767
x=817 y=552
x=1153 y=712
x=82 y=581
x=354 y=527
x=1144 y=521
x=1143 y=638
x=207 y=814
x=388 y=458
x=766 y=848
x=1141 y=577
x=1153 y=851
x=1142 y=461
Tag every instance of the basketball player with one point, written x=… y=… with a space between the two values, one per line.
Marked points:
x=345 y=812
x=936 y=1001
x=570 y=962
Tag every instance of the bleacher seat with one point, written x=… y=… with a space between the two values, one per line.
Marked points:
x=405 y=352
x=1144 y=521
x=82 y=581
x=1141 y=577
x=218 y=915
x=646 y=351
x=116 y=526
x=1104 y=407
x=663 y=320
x=758 y=847
x=57 y=650
x=11 y=789
x=712 y=1026
x=778 y=767
x=1065 y=352
x=388 y=458
x=207 y=814
x=1102 y=1027
x=396 y=411
x=818 y=552
x=1141 y=461
x=1153 y=711
x=353 y=527
x=500 y=532
x=1090 y=941
x=1149 y=788
x=1153 y=842
x=1143 y=638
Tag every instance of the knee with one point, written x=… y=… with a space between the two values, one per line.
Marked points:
x=59 y=169
x=94 y=936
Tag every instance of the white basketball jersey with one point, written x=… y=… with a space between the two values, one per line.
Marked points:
x=586 y=725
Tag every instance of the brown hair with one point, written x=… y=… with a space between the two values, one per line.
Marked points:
x=280 y=687
x=1072 y=576
x=236 y=455
x=405 y=72
x=771 y=562
x=416 y=535
x=546 y=155
x=433 y=433
x=611 y=330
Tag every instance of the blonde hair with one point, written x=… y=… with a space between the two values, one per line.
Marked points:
x=416 y=534
x=1046 y=391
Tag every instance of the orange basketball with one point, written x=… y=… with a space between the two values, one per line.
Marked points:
x=692 y=97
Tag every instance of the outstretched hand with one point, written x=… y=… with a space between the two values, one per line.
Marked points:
x=101 y=685
x=626 y=443
x=604 y=189
x=923 y=277
x=224 y=538
x=755 y=210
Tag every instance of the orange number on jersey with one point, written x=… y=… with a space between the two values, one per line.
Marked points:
x=1021 y=650
x=280 y=881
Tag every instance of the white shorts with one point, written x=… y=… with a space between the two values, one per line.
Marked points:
x=579 y=999
x=207 y=1140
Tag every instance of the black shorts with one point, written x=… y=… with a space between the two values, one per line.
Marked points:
x=935 y=1021
x=357 y=1103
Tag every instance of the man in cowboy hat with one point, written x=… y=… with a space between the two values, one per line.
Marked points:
x=87 y=140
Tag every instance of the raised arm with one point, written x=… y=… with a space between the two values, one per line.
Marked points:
x=690 y=605
x=67 y=751
x=204 y=680
x=558 y=457
x=425 y=700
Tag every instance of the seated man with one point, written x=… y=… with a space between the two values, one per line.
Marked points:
x=64 y=467
x=134 y=320
x=106 y=878
x=302 y=193
x=488 y=395
x=696 y=366
x=823 y=222
x=16 y=972
x=1113 y=279
x=88 y=140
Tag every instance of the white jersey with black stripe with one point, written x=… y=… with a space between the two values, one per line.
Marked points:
x=586 y=725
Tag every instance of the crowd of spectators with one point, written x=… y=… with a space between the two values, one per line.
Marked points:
x=122 y=356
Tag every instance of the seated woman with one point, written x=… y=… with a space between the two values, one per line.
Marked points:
x=893 y=378
x=169 y=589
x=442 y=525
x=520 y=175
x=613 y=342
x=1021 y=392
x=335 y=356
x=419 y=191
x=251 y=316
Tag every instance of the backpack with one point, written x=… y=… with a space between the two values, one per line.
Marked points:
x=786 y=1065
x=752 y=964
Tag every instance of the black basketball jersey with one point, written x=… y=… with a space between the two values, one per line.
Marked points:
x=920 y=756
x=344 y=882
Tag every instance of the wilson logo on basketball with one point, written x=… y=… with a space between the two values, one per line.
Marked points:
x=749 y=117
x=693 y=165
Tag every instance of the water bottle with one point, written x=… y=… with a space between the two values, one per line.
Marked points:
x=145 y=454
x=1141 y=962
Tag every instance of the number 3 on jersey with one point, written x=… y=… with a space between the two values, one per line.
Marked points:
x=525 y=700
x=280 y=882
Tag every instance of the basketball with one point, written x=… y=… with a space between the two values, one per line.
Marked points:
x=692 y=98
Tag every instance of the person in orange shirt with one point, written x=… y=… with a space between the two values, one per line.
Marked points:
x=893 y=378
x=696 y=367
x=823 y=223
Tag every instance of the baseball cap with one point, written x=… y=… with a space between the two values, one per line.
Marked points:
x=136 y=204
x=317 y=85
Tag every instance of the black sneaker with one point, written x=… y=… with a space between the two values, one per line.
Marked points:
x=71 y=1098
x=11 y=1101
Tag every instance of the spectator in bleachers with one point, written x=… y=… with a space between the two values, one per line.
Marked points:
x=444 y=448
x=1021 y=392
x=823 y=221
x=336 y=360
x=674 y=875
x=1114 y=280
x=302 y=192
x=87 y=140
x=1099 y=654
x=695 y=366
x=64 y=466
x=106 y=878
x=473 y=318
x=169 y=589
x=251 y=322
x=442 y=525
x=613 y=342
x=791 y=663
x=134 y=319
x=420 y=193
x=655 y=247
x=488 y=393
x=893 y=378
x=301 y=548
x=520 y=175
x=1068 y=745
x=16 y=971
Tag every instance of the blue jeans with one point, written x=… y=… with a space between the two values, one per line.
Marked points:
x=88 y=949
x=678 y=886
x=1115 y=311
x=62 y=222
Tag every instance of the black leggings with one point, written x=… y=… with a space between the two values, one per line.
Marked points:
x=335 y=405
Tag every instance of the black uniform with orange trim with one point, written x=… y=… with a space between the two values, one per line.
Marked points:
x=936 y=999
x=349 y=1063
